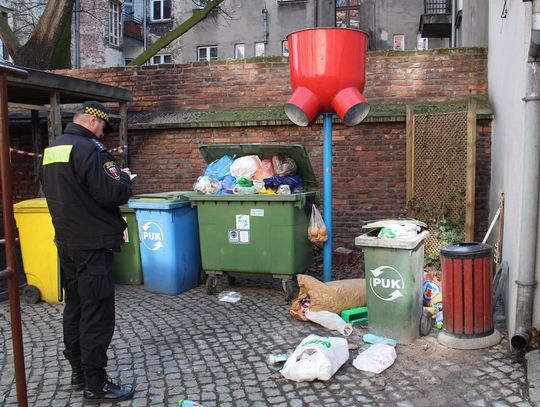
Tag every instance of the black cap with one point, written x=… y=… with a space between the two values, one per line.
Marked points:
x=97 y=109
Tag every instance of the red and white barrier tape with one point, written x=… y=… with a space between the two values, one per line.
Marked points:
x=119 y=149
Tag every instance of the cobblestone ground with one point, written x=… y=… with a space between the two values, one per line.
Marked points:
x=196 y=347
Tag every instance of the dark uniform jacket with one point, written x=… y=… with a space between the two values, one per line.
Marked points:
x=84 y=187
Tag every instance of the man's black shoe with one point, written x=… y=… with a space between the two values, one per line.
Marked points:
x=77 y=379
x=109 y=393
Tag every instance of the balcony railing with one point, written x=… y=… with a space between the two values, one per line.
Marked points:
x=437 y=7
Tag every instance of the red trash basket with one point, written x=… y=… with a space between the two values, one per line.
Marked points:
x=467 y=275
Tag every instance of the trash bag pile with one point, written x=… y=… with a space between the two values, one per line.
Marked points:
x=250 y=175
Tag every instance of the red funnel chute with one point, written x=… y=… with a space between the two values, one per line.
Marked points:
x=328 y=71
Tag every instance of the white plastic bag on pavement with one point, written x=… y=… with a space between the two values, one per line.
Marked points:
x=376 y=358
x=329 y=320
x=317 y=357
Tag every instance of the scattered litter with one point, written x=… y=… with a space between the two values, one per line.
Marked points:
x=370 y=338
x=376 y=358
x=317 y=357
x=356 y=316
x=274 y=358
x=229 y=296
x=329 y=320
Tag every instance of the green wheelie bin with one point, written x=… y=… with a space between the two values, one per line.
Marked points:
x=394 y=280
x=127 y=262
x=256 y=235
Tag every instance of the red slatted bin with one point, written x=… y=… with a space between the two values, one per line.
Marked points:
x=467 y=274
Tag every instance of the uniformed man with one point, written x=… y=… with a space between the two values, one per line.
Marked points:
x=84 y=187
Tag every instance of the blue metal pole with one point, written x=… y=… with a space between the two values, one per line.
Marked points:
x=327 y=198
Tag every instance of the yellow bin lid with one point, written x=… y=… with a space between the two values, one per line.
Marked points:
x=31 y=205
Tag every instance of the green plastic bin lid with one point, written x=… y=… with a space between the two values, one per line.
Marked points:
x=161 y=200
x=31 y=205
x=297 y=152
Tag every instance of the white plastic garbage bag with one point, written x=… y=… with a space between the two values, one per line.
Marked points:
x=329 y=320
x=317 y=357
x=245 y=167
x=376 y=358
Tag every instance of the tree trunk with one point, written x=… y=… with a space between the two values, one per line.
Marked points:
x=183 y=28
x=38 y=52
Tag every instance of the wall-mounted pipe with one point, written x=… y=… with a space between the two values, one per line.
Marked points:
x=77 y=29
x=265 y=25
x=529 y=208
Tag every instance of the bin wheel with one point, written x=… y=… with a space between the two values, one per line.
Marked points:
x=30 y=294
x=426 y=323
x=211 y=285
x=231 y=280
x=289 y=289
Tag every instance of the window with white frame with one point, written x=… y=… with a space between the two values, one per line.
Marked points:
x=285 y=48
x=421 y=43
x=208 y=53
x=161 y=59
x=239 y=51
x=259 y=49
x=160 y=10
x=3 y=50
x=115 y=22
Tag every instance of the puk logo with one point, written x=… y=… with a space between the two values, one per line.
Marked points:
x=386 y=283
x=152 y=236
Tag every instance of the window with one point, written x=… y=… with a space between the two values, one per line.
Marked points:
x=259 y=49
x=3 y=50
x=421 y=43
x=207 y=53
x=128 y=8
x=285 y=48
x=161 y=59
x=115 y=23
x=161 y=10
x=198 y=4
x=399 y=42
x=239 y=51
x=348 y=13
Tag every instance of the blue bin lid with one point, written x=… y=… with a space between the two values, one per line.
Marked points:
x=161 y=200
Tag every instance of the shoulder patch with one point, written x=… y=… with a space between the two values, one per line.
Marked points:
x=112 y=170
x=99 y=145
x=57 y=154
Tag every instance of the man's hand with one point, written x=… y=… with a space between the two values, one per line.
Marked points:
x=128 y=172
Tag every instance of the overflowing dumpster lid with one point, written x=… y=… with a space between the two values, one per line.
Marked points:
x=297 y=152
x=370 y=239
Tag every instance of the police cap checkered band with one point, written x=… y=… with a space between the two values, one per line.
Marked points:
x=96 y=109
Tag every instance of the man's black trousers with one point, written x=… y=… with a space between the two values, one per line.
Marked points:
x=87 y=278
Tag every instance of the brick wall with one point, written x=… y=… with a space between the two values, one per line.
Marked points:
x=392 y=77
x=369 y=171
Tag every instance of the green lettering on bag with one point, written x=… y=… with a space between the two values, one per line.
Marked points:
x=57 y=154
x=319 y=342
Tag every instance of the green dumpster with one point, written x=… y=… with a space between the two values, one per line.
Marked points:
x=127 y=262
x=394 y=280
x=256 y=235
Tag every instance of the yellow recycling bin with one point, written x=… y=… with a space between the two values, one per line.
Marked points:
x=39 y=255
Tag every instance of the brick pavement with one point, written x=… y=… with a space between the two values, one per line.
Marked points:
x=194 y=346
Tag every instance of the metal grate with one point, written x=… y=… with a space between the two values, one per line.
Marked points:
x=439 y=170
x=437 y=7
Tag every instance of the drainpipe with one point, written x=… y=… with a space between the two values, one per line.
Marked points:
x=265 y=20
x=453 y=33
x=77 y=24
x=529 y=208
x=145 y=12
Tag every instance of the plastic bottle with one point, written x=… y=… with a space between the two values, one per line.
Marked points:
x=439 y=320
x=274 y=358
x=189 y=403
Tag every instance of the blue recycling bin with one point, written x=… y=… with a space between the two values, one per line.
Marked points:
x=169 y=241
